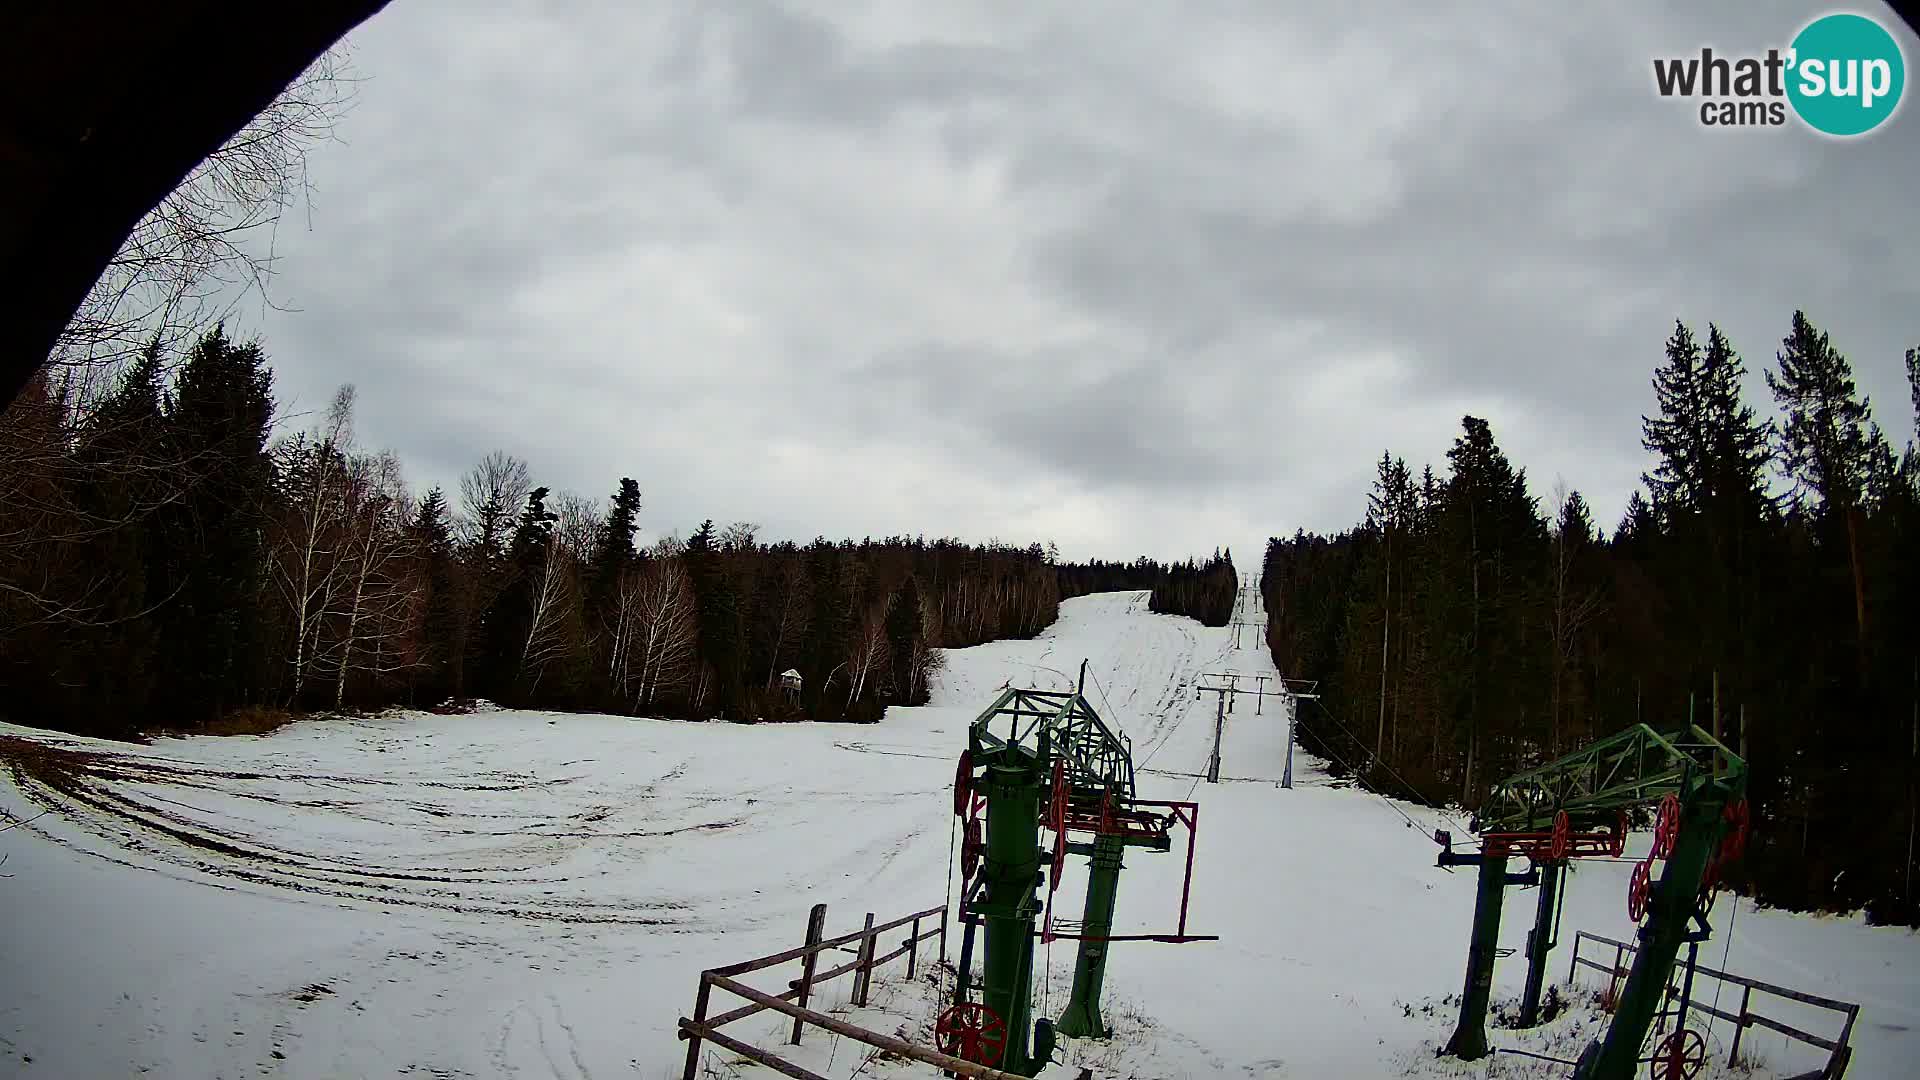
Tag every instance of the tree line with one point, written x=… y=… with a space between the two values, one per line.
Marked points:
x=169 y=558
x=1764 y=583
x=1204 y=591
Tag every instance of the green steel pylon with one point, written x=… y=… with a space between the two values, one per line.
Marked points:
x=1082 y=1016
x=1525 y=811
x=1009 y=903
x=1672 y=906
x=1541 y=941
x=1035 y=747
x=1469 y=1040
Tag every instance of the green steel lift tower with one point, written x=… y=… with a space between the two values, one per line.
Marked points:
x=1034 y=759
x=1577 y=807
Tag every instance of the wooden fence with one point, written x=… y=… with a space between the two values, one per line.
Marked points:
x=701 y=1027
x=1838 y=1050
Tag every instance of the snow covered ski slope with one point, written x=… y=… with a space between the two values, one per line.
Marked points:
x=512 y=894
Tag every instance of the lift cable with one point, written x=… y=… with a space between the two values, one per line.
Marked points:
x=953 y=831
x=1727 y=952
x=1442 y=811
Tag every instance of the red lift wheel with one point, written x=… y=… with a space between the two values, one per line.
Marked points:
x=972 y=1032
x=1680 y=1056
x=1639 y=888
x=1059 y=859
x=963 y=784
x=1739 y=820
x=1057 y=815
x=1617 y=846
x=1666 y=828
x=1562 y=834
x=1710 y=880
x=971 y=848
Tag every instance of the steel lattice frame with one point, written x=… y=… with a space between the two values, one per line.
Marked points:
x=1098 y=760
x=1634 y=767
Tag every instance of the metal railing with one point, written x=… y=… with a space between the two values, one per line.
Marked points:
x=703 y=1028
x=1839 y=1052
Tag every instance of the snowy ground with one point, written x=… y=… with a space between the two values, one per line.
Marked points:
x=519 y=894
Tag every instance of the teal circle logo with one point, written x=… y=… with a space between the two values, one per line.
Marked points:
x=1845 y=74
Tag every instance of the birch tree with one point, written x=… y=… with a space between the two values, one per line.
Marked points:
x=379 y=593
x=306 y=564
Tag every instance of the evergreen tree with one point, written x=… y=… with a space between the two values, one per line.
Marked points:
x=722 y=644
x=1678 y=435
x=510 y=619
x=1828 y=441
x=903 y=637
x=213 y=537
x=1494 y=540
x=1638 y=523
x=831 y=625
x=121 y=457
x=442 y=649
x=615 y=553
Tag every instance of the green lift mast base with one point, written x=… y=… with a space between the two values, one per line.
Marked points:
x=1036 y=758
x=1550 y=814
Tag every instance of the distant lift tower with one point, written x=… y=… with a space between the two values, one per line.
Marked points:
x=1243 y=620
x=1228 y=685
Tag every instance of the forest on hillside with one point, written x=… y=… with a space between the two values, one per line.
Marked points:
x=170 y=557
x=1200 y=590
x=1765 y=584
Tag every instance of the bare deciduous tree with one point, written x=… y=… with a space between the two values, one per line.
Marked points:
x=305 y=569
x=739 y=536
x=665 y=624
x=209 y=244
x=556 y=603
x=791 y=609
x=380 y=592
x=869 y=654
x=491 y=495
x=578 y=522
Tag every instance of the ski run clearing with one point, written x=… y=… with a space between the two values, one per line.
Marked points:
x=515 y=894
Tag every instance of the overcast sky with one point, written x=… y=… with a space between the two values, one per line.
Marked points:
x=1134 y=277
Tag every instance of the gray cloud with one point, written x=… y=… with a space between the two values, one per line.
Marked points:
x=1151 y=281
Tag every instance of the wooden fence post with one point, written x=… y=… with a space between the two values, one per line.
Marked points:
x=693 y=1040
x=913 y=948
x=943 y=935
x=863 y=974
x=816 y=926
x=1740 y=1028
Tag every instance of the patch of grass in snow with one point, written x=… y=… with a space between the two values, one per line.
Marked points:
x=252 y=720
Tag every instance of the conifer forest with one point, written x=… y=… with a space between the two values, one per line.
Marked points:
x=1764 y=583
x=172 y=557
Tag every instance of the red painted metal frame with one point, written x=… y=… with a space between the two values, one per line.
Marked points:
x=1132 y=823
x=1539 y=845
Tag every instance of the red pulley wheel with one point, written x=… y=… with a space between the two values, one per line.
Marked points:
x=971 y=848
x=1617 y=846
x=1639 y=889
x=1666 y=828
x=1709 y=881
x=972 y=1032
x=1057 y=812
x=1562 y=835
x=1739 y=820
x=963 y=784
x=1059 y=860
x=1680 y=1056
